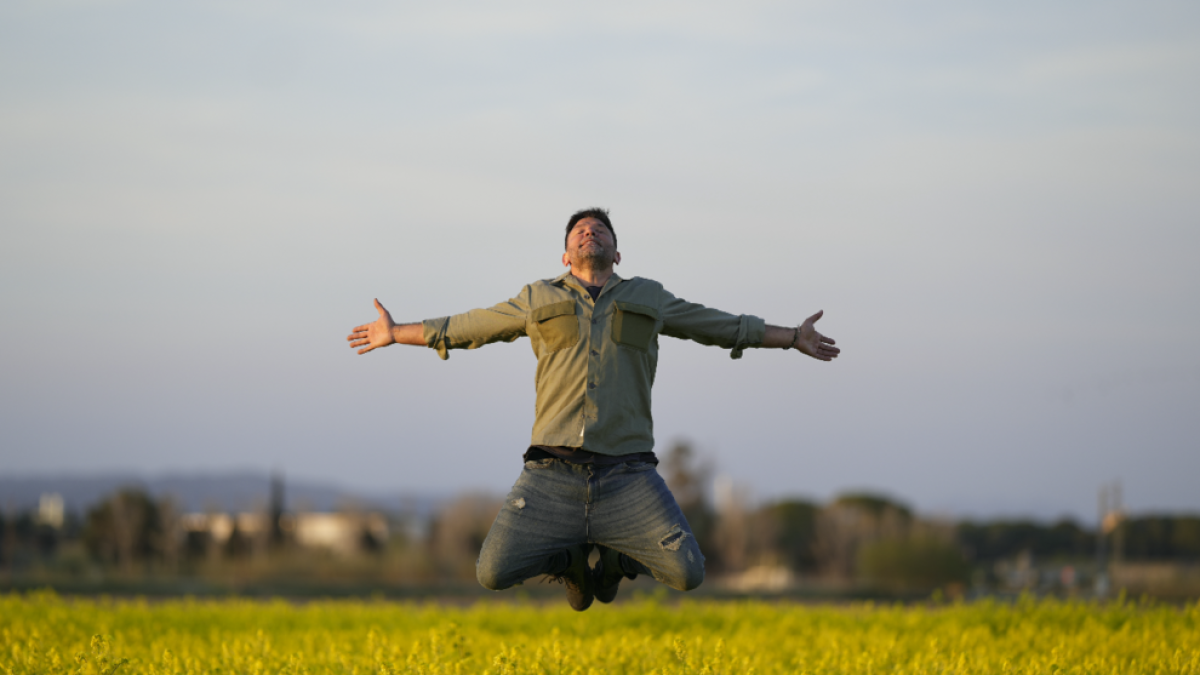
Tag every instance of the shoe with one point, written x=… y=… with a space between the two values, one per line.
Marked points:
x=578 y=578
x=608 y=574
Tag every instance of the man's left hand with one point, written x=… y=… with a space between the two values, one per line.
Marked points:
x=810 y=342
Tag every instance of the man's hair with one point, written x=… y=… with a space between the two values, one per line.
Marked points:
x=594 y=212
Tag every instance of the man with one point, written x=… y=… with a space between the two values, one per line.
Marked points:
x=589 y=477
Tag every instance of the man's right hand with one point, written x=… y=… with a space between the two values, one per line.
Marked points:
x=374 y=335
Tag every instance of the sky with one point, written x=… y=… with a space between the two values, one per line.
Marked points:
x=996 y=205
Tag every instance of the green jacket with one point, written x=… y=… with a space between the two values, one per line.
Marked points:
x=596 y=360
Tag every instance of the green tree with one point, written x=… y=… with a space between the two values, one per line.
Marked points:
x=875 y=504
x=795 y=532
x=1000 y=539
x=912 y=564
x=1162 y=537
x=123 y=529
x=688 y=479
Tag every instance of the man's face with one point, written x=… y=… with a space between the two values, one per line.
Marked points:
x=591 y=245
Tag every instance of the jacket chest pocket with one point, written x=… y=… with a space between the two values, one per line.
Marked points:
x=557 y=325
x=633 y=325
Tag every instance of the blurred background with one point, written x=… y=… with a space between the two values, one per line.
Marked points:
x=995 y=206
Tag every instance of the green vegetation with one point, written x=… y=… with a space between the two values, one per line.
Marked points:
x=43 y=633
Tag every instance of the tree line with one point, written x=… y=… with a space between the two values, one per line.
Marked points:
x=856 y=537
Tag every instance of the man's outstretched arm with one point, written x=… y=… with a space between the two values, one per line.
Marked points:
x=804 y=338
x=707 y=326
x=383 y=332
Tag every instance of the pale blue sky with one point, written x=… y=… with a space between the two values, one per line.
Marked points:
x=996 y=205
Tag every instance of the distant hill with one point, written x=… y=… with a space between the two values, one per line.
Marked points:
x=234 y=491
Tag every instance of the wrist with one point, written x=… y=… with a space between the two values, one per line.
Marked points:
x=795 y=339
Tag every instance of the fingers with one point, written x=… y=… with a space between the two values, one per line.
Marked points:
x=360 y=335
x=815 y=317
x=358 y=340
x=827 y=353
x=820 y=347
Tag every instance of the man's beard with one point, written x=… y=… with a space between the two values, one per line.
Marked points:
x=593 y=257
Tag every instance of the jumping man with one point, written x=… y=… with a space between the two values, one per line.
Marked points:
x=589 y=477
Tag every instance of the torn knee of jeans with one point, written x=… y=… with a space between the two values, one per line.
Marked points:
x=519 y=502
x=674 y=539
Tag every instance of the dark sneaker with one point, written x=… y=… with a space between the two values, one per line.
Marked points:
x=578 y=578
x=608 y=573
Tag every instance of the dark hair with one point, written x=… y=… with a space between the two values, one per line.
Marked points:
x=594 y=212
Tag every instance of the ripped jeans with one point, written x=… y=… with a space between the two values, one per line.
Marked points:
x=557 y=504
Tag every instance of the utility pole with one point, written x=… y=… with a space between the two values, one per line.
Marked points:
x=1116 y=526
x=1101 y=586
x=8 y=523
x=1112 y=516
x=275 y=511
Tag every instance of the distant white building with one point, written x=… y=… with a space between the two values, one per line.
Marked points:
x=761 y=578
x=338 y=532
x=341 y=533
x=51 y=509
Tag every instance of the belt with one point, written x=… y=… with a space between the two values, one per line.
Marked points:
x=581 y=456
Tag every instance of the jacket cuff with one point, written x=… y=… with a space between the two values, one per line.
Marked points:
x=434 y=332
x=751 y=331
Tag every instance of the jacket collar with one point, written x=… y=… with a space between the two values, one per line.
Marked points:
x=568 y=279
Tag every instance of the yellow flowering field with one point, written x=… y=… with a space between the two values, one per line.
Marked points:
x=44 y=633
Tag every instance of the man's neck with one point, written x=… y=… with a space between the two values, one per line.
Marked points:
x=590 y=277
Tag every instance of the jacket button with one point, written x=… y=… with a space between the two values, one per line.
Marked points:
x=591 y=385
x=595 y=321
x=595 y=353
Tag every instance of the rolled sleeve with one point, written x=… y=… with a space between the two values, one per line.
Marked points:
x=434 y=332
x=751 y=331
x=504 y=322
x=708 y=326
